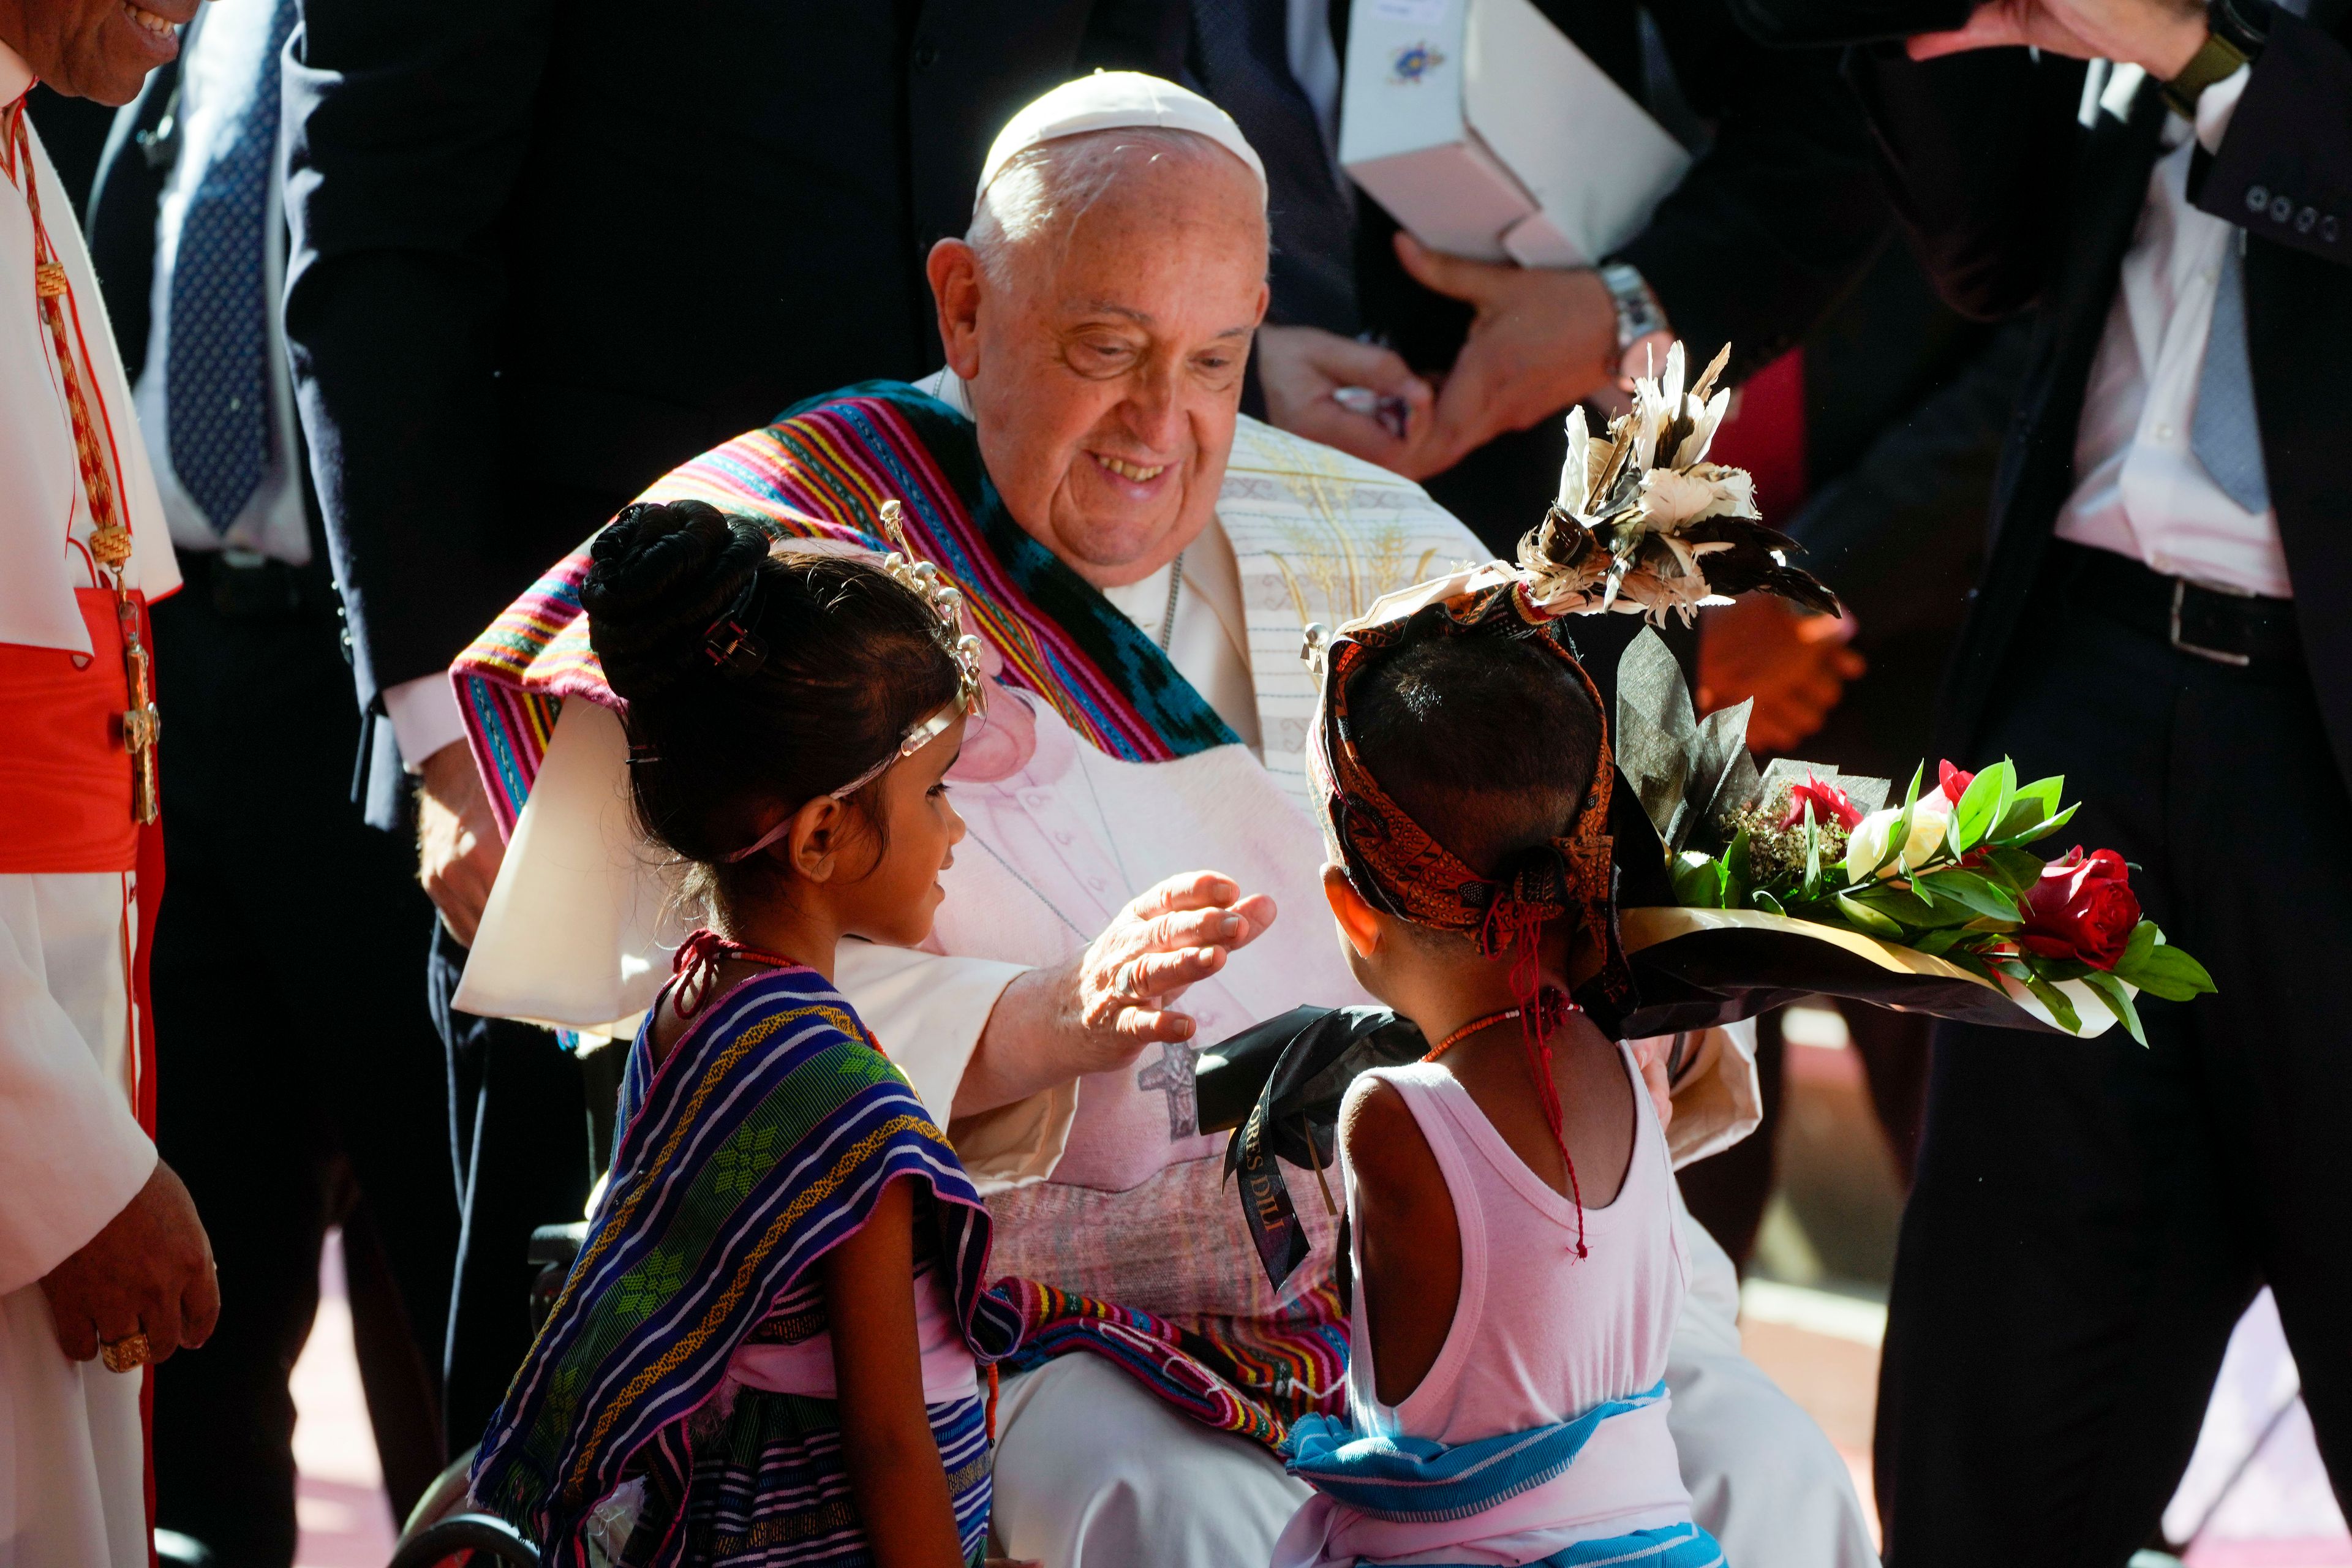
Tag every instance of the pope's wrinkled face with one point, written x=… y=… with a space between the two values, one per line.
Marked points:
x=100 y=49
x=1104 y=368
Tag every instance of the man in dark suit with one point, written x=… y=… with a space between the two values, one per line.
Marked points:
x=307 y=1085
x=542 y=255
x=2160 y=621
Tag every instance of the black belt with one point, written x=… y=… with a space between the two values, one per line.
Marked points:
x=2245 y=631
x=242 y=585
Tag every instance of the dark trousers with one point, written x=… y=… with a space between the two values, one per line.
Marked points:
x=522 y=1154
x=2091 y=1217
x=298 y=1081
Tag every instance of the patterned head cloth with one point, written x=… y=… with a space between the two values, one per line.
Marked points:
x=1398 y=866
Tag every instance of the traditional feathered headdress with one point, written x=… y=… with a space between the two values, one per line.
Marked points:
x=1646 y=524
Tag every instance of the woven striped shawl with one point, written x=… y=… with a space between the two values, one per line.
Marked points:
x=762 y=1143
x=822 y=471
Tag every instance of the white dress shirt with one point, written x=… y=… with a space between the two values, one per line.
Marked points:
x=2141 y=491
x=273 y=522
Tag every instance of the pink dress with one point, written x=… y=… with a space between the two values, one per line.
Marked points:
x=1538 y=1337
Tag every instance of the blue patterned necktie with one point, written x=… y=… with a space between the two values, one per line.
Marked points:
x=217 y=377
x=2223 y=432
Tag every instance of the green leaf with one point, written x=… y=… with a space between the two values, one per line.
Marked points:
x=1901 y=836
x=1922 y=909
x=2050 y=826
x=2025 y=813
x=2015 y=870
x=1766 y=901
x=1972 y=961
x=1812 y=889
x=2062 y=1010
x=2111 y=993
x=1738 y=870
x=1965 y=888
x=2162 y=969
x=1934 y=942
x=1897 y=903
x=1697 y=879
x=1982 y=804
x=1865 y=917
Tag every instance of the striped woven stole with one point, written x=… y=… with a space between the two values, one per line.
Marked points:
x=822 y=471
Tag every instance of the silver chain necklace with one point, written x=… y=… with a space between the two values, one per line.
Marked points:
x=1175 y=587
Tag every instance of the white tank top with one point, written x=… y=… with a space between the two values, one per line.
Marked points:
x=1541 y=1335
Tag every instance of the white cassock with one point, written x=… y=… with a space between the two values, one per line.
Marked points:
x=1108 y=1187
x=72 y=1484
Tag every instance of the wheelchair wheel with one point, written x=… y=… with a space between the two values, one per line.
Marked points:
x=443 y=1533
x=465 y=1540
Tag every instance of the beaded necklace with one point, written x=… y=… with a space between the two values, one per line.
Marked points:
x=1539 y=1019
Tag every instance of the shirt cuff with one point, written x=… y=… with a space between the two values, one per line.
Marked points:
x=424 y=717
x=2217 y=103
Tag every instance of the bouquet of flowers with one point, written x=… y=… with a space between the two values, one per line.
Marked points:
x=1949 y=876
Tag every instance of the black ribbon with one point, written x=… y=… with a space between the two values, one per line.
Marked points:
x=1279 y=1085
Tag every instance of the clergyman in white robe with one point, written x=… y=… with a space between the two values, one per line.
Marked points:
x=72 y=1465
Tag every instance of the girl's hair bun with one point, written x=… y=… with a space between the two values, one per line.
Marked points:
x=658 y=576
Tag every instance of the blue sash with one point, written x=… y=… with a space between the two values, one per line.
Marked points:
x=1416 y=1479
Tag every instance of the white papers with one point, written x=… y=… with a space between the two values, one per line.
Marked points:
x=1488 y=134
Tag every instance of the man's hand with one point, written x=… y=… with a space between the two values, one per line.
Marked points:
x=1649 y=1055
x=1098 y=1011
x=1301 y=367
x=2158 y=36
x=1794 y=665
x=457 y=845
x=1542 y=340
x=149 y=1271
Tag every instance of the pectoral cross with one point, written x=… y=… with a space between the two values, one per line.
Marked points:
x=1173 y=1074
x=110 y=545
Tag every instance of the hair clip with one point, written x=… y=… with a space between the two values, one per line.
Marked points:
x=639 y=752
x=731 y=645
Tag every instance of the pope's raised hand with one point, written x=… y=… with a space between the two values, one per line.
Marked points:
x=1170 y=937
x=1098 y=1011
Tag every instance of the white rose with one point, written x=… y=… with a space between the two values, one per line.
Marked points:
x=1866 y=846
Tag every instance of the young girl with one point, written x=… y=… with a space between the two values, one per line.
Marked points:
x=1517 y=1270
x=773 y=1347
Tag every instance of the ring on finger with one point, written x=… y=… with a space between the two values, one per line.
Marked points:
x=130 y=1352
x=1123 y=984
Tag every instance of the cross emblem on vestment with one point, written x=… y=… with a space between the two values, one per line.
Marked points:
x=1173 y=1074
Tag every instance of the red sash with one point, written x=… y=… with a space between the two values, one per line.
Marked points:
x=65 y=773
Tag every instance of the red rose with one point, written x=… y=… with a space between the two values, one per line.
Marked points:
x=2082 y=907
x=1829 y=802
x=1956 y=783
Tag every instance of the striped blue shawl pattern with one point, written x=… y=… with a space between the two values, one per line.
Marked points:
x=762 y=1143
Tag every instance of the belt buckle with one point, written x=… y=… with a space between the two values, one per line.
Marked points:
x=2218 y=656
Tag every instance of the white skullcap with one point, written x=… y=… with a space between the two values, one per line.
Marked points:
x=1116 y=100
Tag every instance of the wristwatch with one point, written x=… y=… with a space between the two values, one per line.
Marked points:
x=1640 y=318
x=2235 y=32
